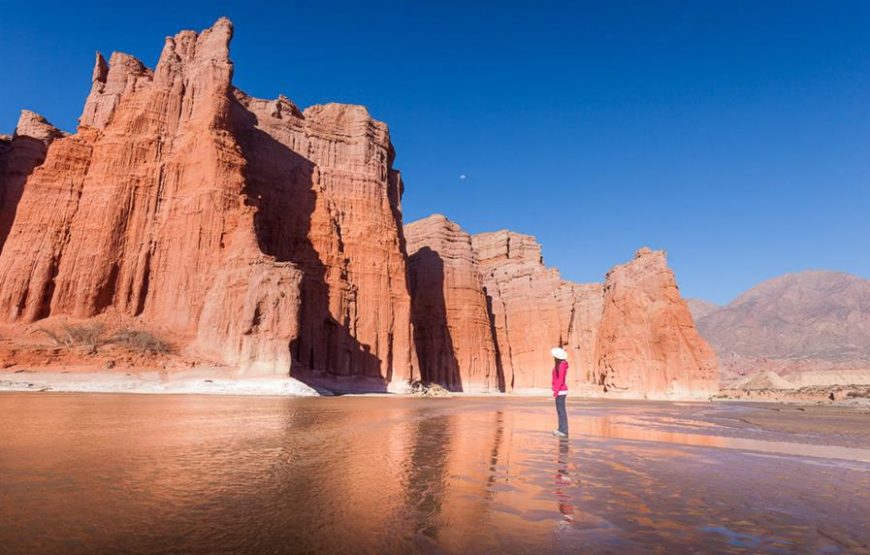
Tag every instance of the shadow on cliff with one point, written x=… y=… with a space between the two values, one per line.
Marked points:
x=18 y=159
x=281 y=185
x=499 y=365
x=432 y=338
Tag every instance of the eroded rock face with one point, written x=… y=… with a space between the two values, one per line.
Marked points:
x=270 y=238
x=20 y=154
x=145 y=206
x=632 y=335
x=328 y=200
x=580 y=307
x=531 y=309
x=453 y=333
x=261 y=233
x=647 y=341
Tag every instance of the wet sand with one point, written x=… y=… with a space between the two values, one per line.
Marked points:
x=86 y=473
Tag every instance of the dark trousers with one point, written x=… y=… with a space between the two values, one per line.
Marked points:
x=563 y=413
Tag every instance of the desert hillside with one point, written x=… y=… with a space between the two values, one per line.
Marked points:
x=810 y=328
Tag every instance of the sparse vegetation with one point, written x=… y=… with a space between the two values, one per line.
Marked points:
x=92 y=336
x=89 y=335
x=142 y=341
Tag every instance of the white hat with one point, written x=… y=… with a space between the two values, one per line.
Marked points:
x=559 y=353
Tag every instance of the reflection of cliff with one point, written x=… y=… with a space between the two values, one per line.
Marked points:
x=478 y=453
x=617 y=427
x=427 y=478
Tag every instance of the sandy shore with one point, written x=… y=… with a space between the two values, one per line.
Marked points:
x=222 y=381
x=195 y=381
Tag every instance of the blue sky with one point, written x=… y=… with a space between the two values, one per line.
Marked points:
x=732 y=134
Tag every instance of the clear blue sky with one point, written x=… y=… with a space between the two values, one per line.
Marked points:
x=735 y=135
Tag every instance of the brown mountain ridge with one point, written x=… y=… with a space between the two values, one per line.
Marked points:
x=801 y=325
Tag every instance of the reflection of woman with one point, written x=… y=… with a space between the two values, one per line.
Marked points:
x=563 y=478
x=560 y=388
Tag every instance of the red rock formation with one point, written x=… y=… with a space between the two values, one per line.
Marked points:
x=328 y=200
x=580 y=307
x=19 y=155
x=634 y=334
x=647 y=342
x=521 y=294
x=532 y=309
x=270 y=239
x=258 y=231
x=451 y=323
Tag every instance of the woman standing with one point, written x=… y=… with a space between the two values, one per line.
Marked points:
x=560 y=388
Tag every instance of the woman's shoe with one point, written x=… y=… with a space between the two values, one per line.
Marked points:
x=557 y=433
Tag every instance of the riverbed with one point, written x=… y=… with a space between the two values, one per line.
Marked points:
x=112 y=473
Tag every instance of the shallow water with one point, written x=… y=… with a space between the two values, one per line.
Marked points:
x=210 y=474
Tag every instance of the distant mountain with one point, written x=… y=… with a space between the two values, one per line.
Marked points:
x=807 y=314
x=700 y=308
x=806 y=321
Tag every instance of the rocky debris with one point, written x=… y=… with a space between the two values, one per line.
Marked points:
x=425 y=389
x=857 y=396
x=766 y=380
x=647 y=341
x=20 y=154
x=452 y=330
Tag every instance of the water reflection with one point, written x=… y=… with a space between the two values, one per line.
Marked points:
x=563 y=480
x=426 y=481
x=84 y=474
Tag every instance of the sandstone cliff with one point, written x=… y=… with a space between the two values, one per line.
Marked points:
x=647 y=341
x=269 y=239
x=19 y=155
x=633 y=335
x=524 y=300
x=266 y=235
x=328 y=200
x=451 y=324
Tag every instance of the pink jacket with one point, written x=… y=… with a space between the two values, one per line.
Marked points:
x=560 y=373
